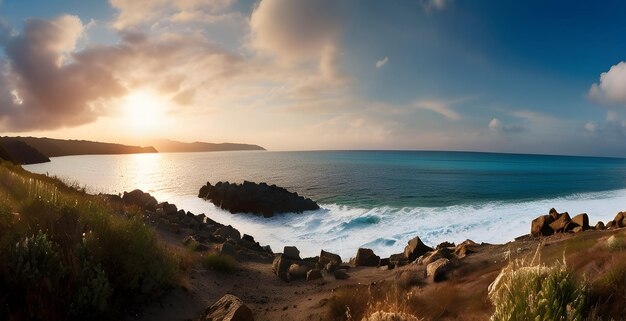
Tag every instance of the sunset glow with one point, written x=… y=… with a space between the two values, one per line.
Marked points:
x=143 y=111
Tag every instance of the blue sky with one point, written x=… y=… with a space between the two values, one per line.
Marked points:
x=411 y=74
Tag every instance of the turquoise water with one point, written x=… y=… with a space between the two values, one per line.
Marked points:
x=378 y=199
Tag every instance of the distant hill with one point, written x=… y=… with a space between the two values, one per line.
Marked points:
x=19 y=152
x=60 y=147
x=170 y=146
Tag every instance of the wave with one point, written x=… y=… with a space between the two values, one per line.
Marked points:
x=386 y=230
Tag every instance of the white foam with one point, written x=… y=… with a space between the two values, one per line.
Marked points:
x=342 y=229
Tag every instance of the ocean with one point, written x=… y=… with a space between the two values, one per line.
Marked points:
x=374 y=199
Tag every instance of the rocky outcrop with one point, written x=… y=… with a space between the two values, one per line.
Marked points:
x=228 y=308
x=261 y=199
x=138 y=198
x=437 y=269
x=415 y=249
x=366 y=257
x=556 y=222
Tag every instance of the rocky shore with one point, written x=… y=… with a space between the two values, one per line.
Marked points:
x=304 y=288
x=261 y=199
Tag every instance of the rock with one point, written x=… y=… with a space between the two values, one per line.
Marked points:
x=398 y=260
x=228 y=232
x=261 y=199
x=228 y=308
x=389 y=316
x=341 y=274
x=541 y=226
x=138 y=198
x=600 y=226
x=281 y=264
x=620 y=219
x=444 y=244
x=327 y=257
x=558 y=225
x=436 y=255
x=581 y=220
x=169 y=209
x=610 y=225
x=383 y=262
x=314 y=274
x=331 y=266
x=577 y=229
x=298 y=271
x=437 y=269
x=553 y=213
x=366 y=257
x=465 y=249
x=291 y=252
x=228 y=249
x=415 y=249
x=248 y=238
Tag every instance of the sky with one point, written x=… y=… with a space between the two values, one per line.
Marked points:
x=543 y=77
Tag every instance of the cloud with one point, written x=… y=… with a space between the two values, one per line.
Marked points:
x=497 y=126
x=41 y=85
x=612 y=86
x=137 y=13
x=382 y=62
x=591 y=127
x=440 y=107
x=299 y=32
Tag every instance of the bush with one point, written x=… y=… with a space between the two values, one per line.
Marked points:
x=219 y=263
x=523 y=292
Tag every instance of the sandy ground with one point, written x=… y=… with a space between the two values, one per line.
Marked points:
x=463 y=296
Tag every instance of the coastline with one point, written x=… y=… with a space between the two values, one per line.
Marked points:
x=362 y=288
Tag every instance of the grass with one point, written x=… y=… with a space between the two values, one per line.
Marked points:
x=67 y=255
x=219 y=263
x=524 y=291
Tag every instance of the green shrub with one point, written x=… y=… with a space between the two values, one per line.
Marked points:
x=219 y=263
x=540 y=293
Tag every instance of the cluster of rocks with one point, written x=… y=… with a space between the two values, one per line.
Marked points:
x=200 y=233
x=438 y=261
x=261 y=199
x=289 y=266
x=556 y=222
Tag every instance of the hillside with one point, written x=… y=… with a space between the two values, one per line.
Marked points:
x=59 y=147
x=170 y=146
x=21 y=153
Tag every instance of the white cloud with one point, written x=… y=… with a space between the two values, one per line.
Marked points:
x=591 y=127
x=299 y=32
x=497 y=125
x=612 y=86
x=382 y=62
x=440 y=107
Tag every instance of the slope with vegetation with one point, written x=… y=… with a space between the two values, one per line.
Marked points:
x=62 y=147
x=67 y=255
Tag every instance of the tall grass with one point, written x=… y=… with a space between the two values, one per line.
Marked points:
x=524 y=291
x=66 y=255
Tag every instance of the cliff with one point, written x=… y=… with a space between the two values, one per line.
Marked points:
x=50 y=147
x=170 y=146
x=19 y=152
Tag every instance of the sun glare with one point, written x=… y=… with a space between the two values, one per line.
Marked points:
x=143 y=110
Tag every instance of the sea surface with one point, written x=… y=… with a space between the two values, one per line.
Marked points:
x=375 y=199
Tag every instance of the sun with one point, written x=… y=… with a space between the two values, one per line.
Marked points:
x=143 y=110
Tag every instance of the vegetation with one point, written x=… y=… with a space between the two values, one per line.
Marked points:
x=537 y=292
x=67 y=255
x=219 y=263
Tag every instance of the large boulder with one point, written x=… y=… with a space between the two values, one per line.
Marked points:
x=140 y=199
x=415 y=249
x=580 y=220
x=298 y=271
x=281 y=264
x=541 y=226
x=620 y=219
x=366 y=257
x=228 y=232
x=559 y=224
x=228 y=308
x=262 y=199
x=291 y=252
x=437 y=269
x=327 y=257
